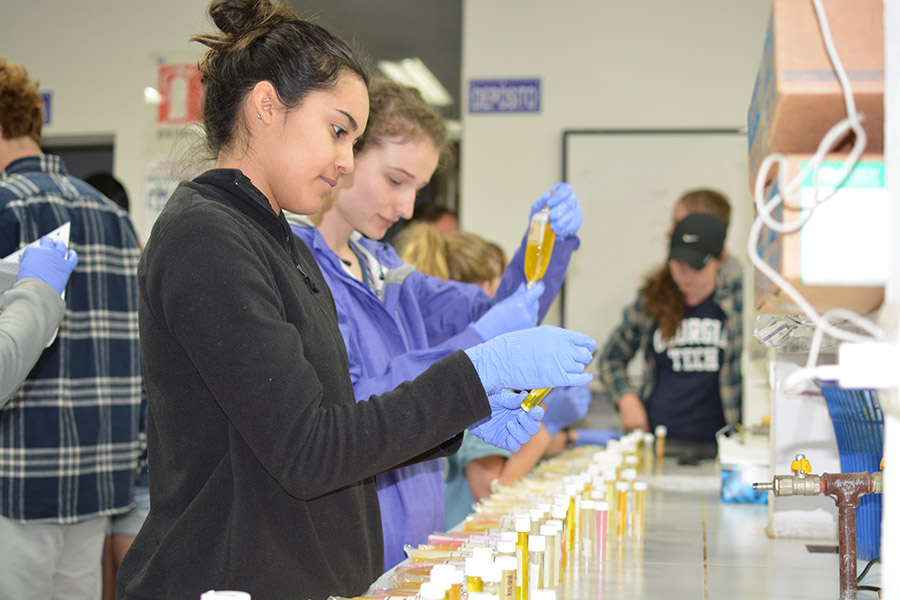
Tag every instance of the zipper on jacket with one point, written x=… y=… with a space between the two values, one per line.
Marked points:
x=309 y=282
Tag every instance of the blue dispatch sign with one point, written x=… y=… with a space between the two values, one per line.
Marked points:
x=505 y=96
x=46 y=98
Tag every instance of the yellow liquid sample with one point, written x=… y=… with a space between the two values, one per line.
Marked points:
x=534 y=398
x=538 y=248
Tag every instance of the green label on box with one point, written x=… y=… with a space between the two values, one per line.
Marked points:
x=866 y=174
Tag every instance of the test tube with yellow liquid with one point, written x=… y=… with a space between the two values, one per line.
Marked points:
x=539 y=246
x=534 y=398
x=538 y=249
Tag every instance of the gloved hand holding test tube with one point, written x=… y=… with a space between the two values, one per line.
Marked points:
x=539 y=357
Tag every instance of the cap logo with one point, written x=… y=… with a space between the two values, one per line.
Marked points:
x=689 y=238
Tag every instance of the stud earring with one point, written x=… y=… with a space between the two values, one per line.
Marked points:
x=258 y=117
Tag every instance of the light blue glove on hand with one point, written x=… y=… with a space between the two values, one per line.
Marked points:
x=539 y=357
x=517 y=311
x=564 y=406
x=48 y=263
x=509 y=426
x=596 y=437
x=565 y=212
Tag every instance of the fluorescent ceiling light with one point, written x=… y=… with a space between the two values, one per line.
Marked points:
x=414 y=73
x=152 y=96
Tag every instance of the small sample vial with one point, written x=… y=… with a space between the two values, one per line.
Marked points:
x=523 y=529
x=537 y=519
x=474 y=574
x=571 y=518
x=640 y=509
x=551 y=563
x=491 y=579
x=455 y=578
x=431 y=590
x=602 y=511
x=539 y=246
x=508 y=566
x=660 y=433
x=559 y=514
x=621 y=508
x=534 y=398
x=588 y=529
x=483 y=553
x=537 y=545
x=506 y=548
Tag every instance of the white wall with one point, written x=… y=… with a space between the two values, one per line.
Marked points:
x=96 y=57
x=602 y=64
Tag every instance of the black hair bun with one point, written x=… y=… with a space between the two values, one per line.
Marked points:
x=238 y=17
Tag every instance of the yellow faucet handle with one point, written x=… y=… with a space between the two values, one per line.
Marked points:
x=801 y=464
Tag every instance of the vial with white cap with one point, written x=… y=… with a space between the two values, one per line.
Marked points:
x=509 y=568
x=640 y=508
x=474 y=573
x=431 y=590
x=491 y=579
x=551 y=563
x=536 y=548
x=523 y=528
x=661 y=432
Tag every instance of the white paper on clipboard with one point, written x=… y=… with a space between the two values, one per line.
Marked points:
x=9 y=265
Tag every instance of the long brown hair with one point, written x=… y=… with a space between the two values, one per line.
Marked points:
x=663 y=301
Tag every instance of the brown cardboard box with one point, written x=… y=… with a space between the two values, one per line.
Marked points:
x=839 y=258
x=797 y=97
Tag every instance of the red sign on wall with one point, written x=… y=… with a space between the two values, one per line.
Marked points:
x=179 y=86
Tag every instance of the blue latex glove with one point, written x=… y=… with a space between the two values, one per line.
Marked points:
x=517 y=311
x=48 y=263
x=539 y=357
x=596 y=437
x=565 y=212
x=564 y=406
x=509 y=426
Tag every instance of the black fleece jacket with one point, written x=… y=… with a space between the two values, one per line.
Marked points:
x=261 y=461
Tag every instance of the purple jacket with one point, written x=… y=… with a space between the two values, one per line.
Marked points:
x=420 y=320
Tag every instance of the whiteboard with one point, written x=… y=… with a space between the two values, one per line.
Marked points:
x=627 y=183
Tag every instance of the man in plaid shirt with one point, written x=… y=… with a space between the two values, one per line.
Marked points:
x=69 y=439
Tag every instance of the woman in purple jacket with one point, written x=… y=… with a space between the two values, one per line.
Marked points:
x=396 y=321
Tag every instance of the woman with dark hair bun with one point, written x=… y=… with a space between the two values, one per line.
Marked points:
x=261 y=461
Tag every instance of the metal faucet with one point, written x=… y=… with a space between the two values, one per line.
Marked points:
x=845 y=489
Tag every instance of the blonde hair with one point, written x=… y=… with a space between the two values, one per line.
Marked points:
x=460 y=256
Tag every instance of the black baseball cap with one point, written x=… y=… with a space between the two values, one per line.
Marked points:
x=697 y=239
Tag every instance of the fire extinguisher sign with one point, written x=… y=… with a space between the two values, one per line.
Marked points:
x=180 y=91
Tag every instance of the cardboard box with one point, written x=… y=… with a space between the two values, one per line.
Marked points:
x=839 y=258
x=797 y=97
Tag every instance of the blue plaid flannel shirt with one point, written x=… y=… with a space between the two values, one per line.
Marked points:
x=70 y=439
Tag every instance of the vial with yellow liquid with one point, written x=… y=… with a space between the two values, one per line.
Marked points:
x=534 y=398
x=539 y=246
